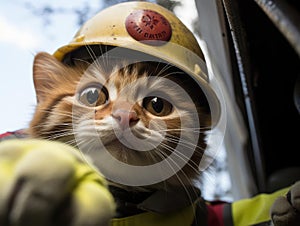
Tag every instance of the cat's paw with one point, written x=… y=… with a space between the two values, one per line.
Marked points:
x=47 y=183
x=286 y=210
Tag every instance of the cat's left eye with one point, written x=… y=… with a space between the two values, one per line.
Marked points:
x=93 y=96
x=157 y=106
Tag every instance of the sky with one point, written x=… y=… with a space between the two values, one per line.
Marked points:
x=23 y=33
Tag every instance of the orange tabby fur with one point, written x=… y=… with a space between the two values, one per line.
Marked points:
x=57 y=86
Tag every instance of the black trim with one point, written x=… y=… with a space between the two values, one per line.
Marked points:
x=201 y=215
x=227 y=215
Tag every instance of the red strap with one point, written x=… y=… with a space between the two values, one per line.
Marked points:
x=21 y=133
x=6 y=134
x=215 y=214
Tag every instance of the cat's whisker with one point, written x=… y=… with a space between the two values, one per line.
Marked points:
x=106 y=58
x=91 y=53
x=72 y=142
x=175 y=139
x=89 y=134
x=65 y=114
x=42 y=128
x=78 y=143
x=182 y=157
x=161 y=71
x=58 y=131
x=154 y=157
x=100 y=65
x=66 y=125
x=166 y=67
x=156 y=148
x=184 y=143
x=178 y=177
x=81 y=60
x=171 y=73
x=60 y=135
x=184 y=184
x=81 y=143
x=192 y=129
x=61 y=113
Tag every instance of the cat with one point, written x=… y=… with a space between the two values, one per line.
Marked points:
x=140 y=113
x=99 y=102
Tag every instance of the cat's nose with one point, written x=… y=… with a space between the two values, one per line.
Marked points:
x=125 y=118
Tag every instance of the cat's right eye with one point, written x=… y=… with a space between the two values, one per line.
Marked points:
x=93 y=96
x=157 y=106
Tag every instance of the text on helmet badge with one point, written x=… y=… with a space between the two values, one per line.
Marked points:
x=148 y=26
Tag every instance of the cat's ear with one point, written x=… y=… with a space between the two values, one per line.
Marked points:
x=46 y=72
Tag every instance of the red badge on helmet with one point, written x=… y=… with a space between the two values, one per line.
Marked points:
x=149 y=27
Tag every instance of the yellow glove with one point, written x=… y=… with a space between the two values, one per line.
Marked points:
x=46 y=183
x=286 y=209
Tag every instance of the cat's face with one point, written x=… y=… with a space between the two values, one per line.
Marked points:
x=140 y=113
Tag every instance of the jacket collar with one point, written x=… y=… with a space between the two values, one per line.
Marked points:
x=161 y=201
